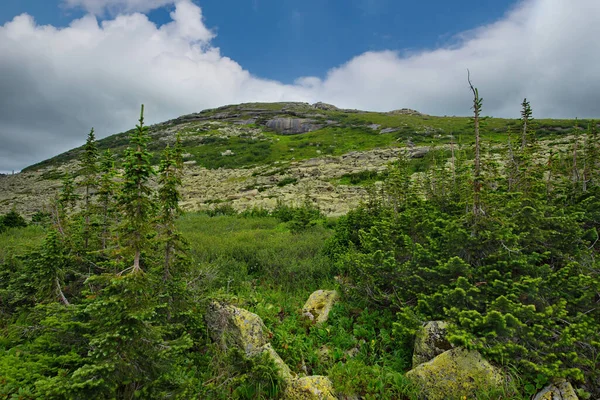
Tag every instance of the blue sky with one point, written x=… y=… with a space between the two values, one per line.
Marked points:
x=285 y=39
x=69 y=65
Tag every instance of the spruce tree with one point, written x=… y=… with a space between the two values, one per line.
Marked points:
x=106 y=193
x=168 y=194
x=135 y=200
x=64 y=203
x=90 y=178
x=526 y=116
x=477 y=103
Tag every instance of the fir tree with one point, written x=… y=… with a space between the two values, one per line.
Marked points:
x=90 y=179
x=526 y=116
x=135 y=198
x=477 y=103
x=169 y=196
x=64 y=204
x=106 y=193
x=51 y=266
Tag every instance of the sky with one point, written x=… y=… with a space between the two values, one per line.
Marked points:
x=69 y=65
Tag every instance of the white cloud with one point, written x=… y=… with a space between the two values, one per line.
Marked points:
x=57 y=83
x=99 y=7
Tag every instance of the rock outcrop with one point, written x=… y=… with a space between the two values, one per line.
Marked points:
x=318 y=305
x=430 y=342
x=235 y=327
x=559 y=390
x=458 y=371
x=293 y=126
x=231 y=326
x=309 y=388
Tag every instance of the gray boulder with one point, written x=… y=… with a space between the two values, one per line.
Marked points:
x=293 y=126
x=559 y=390
x=430 y=342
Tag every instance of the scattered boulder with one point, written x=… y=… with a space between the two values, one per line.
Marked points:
x=388 y=130
x=309 y=388
x=405 y=111
x=284 y=371
x=457 y=371
x=318 y=305
x=232 y=326
x=227 y=153
x=430 y=342
x=293 y=126
x=419 y=152
x=559 y=390
x=324 y=106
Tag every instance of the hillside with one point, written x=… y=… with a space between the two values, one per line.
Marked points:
x=253 y=155
x=471 y=271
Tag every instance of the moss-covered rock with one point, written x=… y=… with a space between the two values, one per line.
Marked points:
x=559 y=390
x=430 y=342
x=319 y=304
x=232 y=326
x=309 y=388
x=455 y=373
x=284 y=371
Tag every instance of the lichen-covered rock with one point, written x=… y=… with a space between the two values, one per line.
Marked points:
x=458 y=372
x=292 y=126
x=430 y=342
x=232 y=326
x=559 y=390
x=309 y=388
x=319 y=304
x=284 y=371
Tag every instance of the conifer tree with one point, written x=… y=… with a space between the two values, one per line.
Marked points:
x=106 y=193
x=168 y=194
x=50 y=269
x=135 y=198
x=526 y=116
x=477 y=103
x=64 y=203
x=90 y=178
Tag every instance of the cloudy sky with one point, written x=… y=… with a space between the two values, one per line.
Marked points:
x=69 y=65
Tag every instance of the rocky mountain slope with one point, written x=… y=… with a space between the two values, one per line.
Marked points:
x=256 y=154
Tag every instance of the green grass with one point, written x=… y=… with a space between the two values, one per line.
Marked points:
x=257 y=263
x=18 y=241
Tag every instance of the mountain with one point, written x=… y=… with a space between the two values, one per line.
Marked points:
x=256 y=154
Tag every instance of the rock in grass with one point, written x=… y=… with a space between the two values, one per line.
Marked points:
x=430 y=342
x=284 y=371
x=309 y=388
x=231 y=326
x=560 y=390
x=319 y=304
x=455 y=373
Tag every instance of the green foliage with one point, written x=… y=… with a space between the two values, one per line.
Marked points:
x=135 y=200
x=298 y=218
x=89 y=163
x=519 y=282
x=12 y=219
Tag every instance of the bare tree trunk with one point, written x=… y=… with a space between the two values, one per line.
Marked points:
x=60 y=293
x=136 y=262
x=56 y=215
